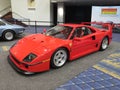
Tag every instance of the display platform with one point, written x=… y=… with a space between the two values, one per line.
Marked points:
x=103 y=76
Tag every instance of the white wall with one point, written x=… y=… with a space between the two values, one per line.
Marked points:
x=4 y=7
x=41 y=10
x=97 y=16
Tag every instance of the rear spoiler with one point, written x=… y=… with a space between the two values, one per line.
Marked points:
x=109 y=26
x=101 y=23
x=87 y=23
x=115 y=25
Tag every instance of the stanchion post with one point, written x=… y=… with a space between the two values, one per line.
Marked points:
x=35 y=26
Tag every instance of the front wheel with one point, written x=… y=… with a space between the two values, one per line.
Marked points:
x=8 y=35
x=104 y=44
x=59 y=58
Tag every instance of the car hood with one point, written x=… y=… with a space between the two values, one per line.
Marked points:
x=38 y=44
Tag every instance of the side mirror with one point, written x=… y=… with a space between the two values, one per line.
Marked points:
x=44 y=30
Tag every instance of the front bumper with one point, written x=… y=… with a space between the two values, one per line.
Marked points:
x=21 y=31
x=27 y=68
x=17 y=69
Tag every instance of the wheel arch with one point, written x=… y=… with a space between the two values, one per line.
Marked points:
x=8 y=30
x=62 y=47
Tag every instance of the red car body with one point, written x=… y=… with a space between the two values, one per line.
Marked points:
x=44 y=46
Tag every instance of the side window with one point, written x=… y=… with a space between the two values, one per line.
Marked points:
x=81 y=31
x=87 y=31
x=1 y=23
x=77 y=33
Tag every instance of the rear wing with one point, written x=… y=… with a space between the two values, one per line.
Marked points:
x=100 y=25
x=116 y=25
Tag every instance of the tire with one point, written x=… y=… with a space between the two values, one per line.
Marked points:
x=59 y=58
x=8 y=35
x=104 y=44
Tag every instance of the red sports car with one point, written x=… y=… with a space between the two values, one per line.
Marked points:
x=53 y=48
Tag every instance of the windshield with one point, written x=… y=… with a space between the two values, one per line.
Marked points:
x=6 y=22
x=61 y=32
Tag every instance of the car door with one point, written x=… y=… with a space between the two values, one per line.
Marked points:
x=83 y=45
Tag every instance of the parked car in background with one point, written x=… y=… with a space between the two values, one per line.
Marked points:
x=8 y=31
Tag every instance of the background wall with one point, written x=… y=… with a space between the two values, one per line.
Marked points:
x=97 y=16
x=41 y=11
x=5 y=6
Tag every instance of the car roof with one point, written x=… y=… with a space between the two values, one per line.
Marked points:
x=72 y=25
x=0 y=19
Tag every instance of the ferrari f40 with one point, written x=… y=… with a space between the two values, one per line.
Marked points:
x=53 y=48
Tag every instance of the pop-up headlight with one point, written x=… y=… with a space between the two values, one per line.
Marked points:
x=29 y=57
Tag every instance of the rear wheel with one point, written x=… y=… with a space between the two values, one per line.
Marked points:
x=104 y=44
x=59 y=58
x=8 y=35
